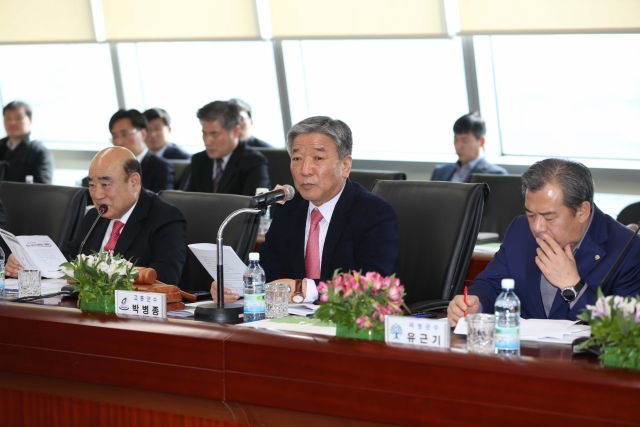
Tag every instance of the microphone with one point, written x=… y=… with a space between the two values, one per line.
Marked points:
x=615 y=264
x=284 y=193
x=102 y=209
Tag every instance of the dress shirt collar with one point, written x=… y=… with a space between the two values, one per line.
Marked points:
x=142 y=154
x=161 y=151
x=326 y=209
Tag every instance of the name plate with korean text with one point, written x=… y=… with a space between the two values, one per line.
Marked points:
x=143 y=304
x=417 y=331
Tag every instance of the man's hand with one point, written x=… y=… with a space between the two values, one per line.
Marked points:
x=229 y=296
x=557 y=264
x=12 y=267
x=457 y=307
x=292 y=286
x=634 y=227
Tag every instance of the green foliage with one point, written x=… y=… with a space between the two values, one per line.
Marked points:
x=99 y=274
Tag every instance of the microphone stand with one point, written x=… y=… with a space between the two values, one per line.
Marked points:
x=221 y=312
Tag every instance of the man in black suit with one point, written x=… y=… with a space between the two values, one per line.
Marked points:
x=129 y=129
x=247 y=125
x=469 y=139
x=154 y=233
x=331 y=222
x=159 y=133
x=23 y=156
x=226 y=165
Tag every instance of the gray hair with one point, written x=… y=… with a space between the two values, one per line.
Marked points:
x=335 y=129
x=574 y=178
x=226 y=112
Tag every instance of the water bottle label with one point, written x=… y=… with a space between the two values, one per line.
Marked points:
x=507 y=338
x=2 y=279
x=254 y=303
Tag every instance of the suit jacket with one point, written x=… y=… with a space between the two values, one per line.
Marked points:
x=4 y=224
x=28 y=158
x=155 y=236
x=602 y=244
x=362 y=235
x=445 y=172
x=174 y=152
x=157 y=173
x=245 y=171
x=254 y=142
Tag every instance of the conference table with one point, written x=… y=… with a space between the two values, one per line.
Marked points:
x=60 y=366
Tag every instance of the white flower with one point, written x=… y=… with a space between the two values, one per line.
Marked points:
x=67 y=271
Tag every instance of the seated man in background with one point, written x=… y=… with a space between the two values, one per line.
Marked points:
x=129 y=129
x=468 y=139
x=246 y=126
x=24 y=156
x=137 y=224
x=158 y=137
x=226 y=165
x=559 y=252
x=331 y=222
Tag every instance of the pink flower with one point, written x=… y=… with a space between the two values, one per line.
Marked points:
x=324 y=297
x=376 y=281
x=323 y=288
x=364 y=322
x=381 y=311
x=395 y=293
x=350 y=285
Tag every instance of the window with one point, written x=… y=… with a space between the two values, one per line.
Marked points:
x=399 y=97
x=567 y=95
x=70 y=88
x=181 y=77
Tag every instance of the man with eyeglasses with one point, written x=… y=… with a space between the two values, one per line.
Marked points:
x=23 y=155
x=129 y=129
x=158 y=138
x=246 y=125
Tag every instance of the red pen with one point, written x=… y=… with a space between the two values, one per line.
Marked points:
x=465 y=300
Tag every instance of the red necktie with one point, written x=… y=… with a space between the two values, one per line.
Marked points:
x=115 y=234
x=312 y=257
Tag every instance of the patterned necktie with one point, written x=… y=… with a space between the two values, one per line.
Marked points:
x=115 y=234
x=218 y=175
x=312 y=257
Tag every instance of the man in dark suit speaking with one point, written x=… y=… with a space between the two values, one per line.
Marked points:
x=226 y=165
x=559 y=253
x=331 y=222
x=468 y=139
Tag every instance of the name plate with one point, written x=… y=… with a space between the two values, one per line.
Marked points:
x=417 y=331
x=143 y=304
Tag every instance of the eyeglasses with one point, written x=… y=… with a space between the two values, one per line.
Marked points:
x=123 y=134
x=157 y=129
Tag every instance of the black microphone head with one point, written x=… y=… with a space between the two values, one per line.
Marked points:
x=102 y=209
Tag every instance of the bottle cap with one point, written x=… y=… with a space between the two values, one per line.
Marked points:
x=508 y=284
x=254 y=256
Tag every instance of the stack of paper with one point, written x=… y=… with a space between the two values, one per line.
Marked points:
x=543 y=330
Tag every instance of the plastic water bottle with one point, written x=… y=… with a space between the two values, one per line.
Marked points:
x=28 y=179
x=507 y=310
x=254 y=304
x=1 y=271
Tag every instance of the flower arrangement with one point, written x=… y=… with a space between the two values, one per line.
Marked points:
x=615 y=327
x=99 y=274
x=360 y=301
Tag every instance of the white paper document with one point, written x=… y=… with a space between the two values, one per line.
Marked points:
x=36 y=253
x=306 y=310
x=207 y=254
x=542 y=330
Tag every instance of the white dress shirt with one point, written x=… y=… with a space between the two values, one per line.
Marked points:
x=123 y=220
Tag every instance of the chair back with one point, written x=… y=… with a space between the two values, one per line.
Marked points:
x=505 y=204
x=42 y=209
x=205 y=212
x=279 y=165
x=630 y=214
x=183 y=170
x=368 y=177
x=438 y=224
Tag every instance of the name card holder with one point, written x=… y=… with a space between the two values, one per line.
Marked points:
x=142 y=304
x=415 y=331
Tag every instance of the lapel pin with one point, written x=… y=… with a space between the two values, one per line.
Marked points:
x=597 y=257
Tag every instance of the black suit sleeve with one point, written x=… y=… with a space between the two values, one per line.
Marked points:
x=169 y=250
x=256 y=175
x=43 y=166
